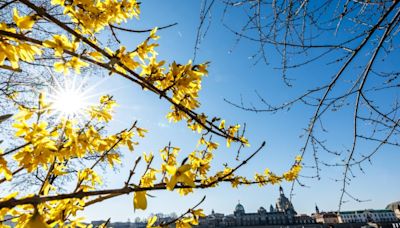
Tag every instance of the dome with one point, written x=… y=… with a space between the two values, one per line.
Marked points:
x=239 y=207
x=393 y=206
x=262 y=210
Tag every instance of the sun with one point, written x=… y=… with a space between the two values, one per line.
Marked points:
x=69 y=98
x=73 y=96
x=68 y=102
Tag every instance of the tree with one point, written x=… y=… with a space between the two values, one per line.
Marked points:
x=58 y=141
x=356 y=41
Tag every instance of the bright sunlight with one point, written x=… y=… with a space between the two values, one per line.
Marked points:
x=68 y=98
x=68 y=102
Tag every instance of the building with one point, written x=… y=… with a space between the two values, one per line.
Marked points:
x=326 y=218
x=127 y=224
x=365 y=216
x=282 y=214
x=213 y=220
x=329 y=218
x=395 y=207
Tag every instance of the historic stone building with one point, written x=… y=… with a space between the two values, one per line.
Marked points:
x=357 y=219
x=367 y=216
x=329 y=218
x=282 y=214
x=395 y=207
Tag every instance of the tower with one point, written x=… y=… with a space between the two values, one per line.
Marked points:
x=281 y=190
x=283 y=204
x=316 y=209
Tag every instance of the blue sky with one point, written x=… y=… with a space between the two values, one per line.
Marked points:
x=232 y=75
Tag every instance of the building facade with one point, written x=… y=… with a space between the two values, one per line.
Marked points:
x=329 y=218
x=395 y=207
x=326 y=218
x=367 y=216
x=282 y=214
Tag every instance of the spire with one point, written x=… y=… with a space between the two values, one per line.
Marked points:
x=316 y=209
x=271 y=208
x=281 y=190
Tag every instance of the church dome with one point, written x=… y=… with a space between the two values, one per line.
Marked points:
x=393 y=206
x=239 y=208
x=262 y=210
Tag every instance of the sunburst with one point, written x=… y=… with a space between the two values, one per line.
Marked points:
x=69 y=98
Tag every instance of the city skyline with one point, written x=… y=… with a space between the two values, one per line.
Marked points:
x=265 y=205
x=280 y=213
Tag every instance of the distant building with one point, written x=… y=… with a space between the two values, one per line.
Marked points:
x=127 y=224
x=282 y=214
x=325 y=217
x=97 y=223
x=395 y=207
x=367 y=216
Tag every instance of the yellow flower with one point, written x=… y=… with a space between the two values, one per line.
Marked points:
x=260 y=179
x=57 y=2
x=184 y=223
x=151 y=221
x=61 y=67
x=96 y=56
x=9 y=196
x=76 y=63
x=25 y=22
x=22 y=128
x=126 y=139
x=113 y=158
x=148 y=178
x=59 y=43
x=244 y=141
x=196 y=215
x=235 y=182
x=148 y=158
x=141 y=132
x=36 y=221
x=179 y=175
x=140 y=200
x=27 y=52
x=293 y=173
x=222 y=124
x=89 y=175
x=4 y=169
x=10 y=52
x=231 y=134
x=23 y=114
x=153 y=34
x=273 y=179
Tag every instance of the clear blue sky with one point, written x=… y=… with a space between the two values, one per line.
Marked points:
x=232 y=75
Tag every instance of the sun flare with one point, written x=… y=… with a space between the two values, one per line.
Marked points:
x=68 y=102
x=68 y=98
